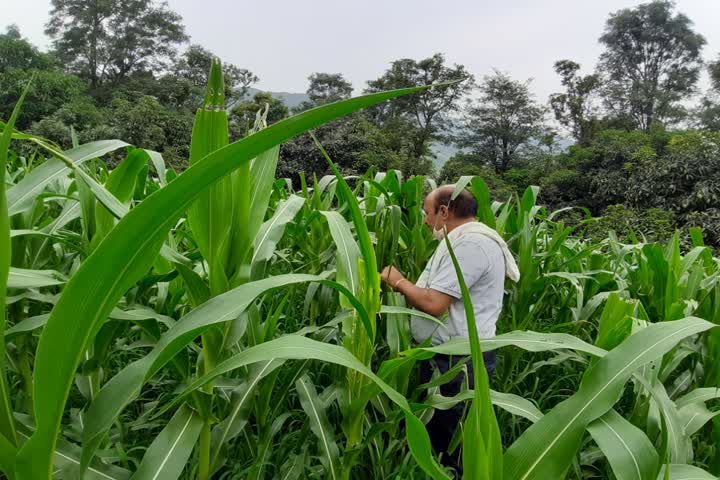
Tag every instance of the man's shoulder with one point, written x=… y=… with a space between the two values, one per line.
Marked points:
x=479 y=240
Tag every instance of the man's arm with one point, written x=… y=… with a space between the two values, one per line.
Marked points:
x=427 y=300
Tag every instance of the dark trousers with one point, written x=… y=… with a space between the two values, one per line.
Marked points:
x=444 y=422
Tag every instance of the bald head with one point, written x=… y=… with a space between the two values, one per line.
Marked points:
x=464 y=206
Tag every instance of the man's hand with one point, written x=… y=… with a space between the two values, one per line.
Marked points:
x=391 y=276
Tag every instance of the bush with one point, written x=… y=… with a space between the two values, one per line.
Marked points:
x=559 y=187
x=653 y=224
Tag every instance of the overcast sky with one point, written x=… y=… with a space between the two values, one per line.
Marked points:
x=283 y=41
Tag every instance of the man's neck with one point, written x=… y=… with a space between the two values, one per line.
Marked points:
x=454 y=223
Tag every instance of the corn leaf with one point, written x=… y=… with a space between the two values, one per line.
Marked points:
x=25 y=278
x=166 y=457
x=684 y=472
x=546 y=449
x=7 y=423
x=241 y=402
x=295 y=347
x=482 y=457
x=629 y=451
x=125 y=386
x=271 y=231
x=319 y=425
x=21 y=196
x=530 y=341
x=128 y=251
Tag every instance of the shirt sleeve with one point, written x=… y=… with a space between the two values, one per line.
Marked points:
x=473 y=262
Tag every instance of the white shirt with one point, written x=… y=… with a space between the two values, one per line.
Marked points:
x=482 y=263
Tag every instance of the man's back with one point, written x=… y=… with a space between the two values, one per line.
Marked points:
x=483 y=266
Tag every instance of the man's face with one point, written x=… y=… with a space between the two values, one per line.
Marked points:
x=434 y=219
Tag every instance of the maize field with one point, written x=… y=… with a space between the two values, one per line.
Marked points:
x=222 y=323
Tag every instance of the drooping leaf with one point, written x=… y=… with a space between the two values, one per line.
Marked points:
x=128 y=251
x=546 y=449
x=630 y=453
x=166 y=457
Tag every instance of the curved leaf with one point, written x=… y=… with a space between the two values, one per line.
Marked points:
x=166 y=457
x=294 y=347
x=546 y=449
x=527 y=340
x=128 y=251
x=21 y=196
x=125 y=386
x=628 y=450
x=319 y=424
x=684 y=472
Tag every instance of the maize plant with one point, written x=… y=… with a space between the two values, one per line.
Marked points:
x=222 y=323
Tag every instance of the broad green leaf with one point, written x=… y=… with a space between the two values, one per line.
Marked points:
x=679 y=445
x=121 y=184
x=7 y=423
x=615 y=323
x=294 y=347
x=271 y=231
x=25 y=278
x=393 y=310
x=21 y=196
x=241 y=402
x=516 y=405
x=698 y=395
x=125 y=386
x=480 y=191
x=348 y=252
x=262 y=173
x=7 y=457
x=166 y=457
x=684 y=472
x=507 y=401
x=319 y=425
x=629 y=451
x=694 y=416
x=128 y=251
x=530 y=341
x=546 y=449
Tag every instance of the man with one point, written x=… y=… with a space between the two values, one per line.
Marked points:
x=485 y=261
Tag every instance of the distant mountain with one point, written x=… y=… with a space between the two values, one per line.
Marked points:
x=290 y=99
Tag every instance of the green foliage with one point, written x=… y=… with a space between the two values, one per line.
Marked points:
x=50 y=90
x=502 y=123
x=430 y=112
x=575 y=109
x=652 y=224
x=469 y=164
x=193 y=66
x=652 y=61
x=103 y=41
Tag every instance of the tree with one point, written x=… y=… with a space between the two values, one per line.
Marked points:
x=430 y=111
x=325 y=88
x=651 y=62
x=574 y=109
x=51 y=88
x=503 y=122
x=17 y=52
x=714 y=71
x=194 y=65
x=108 y=40
x=328 y=87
